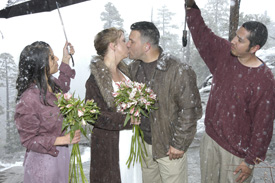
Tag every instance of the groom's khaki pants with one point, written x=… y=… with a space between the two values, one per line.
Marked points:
x=164 y=170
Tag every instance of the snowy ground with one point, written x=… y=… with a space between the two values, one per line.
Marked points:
x=15 y=173
x=11 y=170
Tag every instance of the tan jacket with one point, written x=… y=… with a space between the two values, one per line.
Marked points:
x=179 y=105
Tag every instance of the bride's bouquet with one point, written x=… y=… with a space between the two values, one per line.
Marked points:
x=135 y=99
x=77 y=114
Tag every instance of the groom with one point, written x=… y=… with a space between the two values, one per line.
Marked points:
x=168 y=131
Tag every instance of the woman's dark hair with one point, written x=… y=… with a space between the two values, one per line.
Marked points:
x=34 y=68
x=258 y=33
x=104 y=37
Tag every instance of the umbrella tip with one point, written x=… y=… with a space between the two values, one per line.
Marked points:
x=57 y=4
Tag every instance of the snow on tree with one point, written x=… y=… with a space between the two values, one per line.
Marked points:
x=8 y=74
x=111 y=17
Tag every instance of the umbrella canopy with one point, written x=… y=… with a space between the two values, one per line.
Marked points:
x=38 y=6
x=35 y=6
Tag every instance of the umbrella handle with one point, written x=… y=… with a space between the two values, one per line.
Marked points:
x=184 y=38
x=72 y=59
x=184 y=33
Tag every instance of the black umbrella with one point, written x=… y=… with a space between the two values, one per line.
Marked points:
x=35 y=6
x=38 y=6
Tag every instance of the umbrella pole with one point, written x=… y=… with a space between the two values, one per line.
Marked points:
x=2 y=34
x=64 y=30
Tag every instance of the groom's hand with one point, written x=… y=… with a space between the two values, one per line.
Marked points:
x=174 y=153
x=189 y=3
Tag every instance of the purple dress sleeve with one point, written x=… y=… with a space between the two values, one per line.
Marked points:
x=65 y=73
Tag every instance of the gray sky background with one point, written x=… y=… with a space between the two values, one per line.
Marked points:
x=82 y=22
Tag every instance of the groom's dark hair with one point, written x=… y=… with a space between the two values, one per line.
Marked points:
x=147 y=30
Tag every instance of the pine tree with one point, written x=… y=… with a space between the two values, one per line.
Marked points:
x=8 y=74
x=168 y=40
x=216 y=16
x=111 y=17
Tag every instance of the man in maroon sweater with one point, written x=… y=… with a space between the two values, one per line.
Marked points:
x=240 y=111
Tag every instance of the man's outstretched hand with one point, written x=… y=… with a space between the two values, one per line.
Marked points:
x=189 y=3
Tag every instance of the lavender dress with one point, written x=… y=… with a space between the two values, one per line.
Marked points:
x=38 y=126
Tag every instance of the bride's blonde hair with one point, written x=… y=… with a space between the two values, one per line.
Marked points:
x=104 y=37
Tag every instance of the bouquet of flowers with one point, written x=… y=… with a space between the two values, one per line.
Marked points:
x=134 y=99
x=77 y=114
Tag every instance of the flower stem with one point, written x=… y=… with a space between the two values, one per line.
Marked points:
x=136 y=150
x=76 y=166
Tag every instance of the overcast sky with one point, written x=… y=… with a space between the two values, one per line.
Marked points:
x=82 y=22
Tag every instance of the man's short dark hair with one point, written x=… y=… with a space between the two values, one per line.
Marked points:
x=147 y=30
x=258 y=33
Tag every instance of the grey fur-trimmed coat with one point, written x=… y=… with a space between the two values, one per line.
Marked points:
x=104 y=167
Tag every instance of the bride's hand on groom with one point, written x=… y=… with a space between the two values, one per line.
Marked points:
x=135 y=121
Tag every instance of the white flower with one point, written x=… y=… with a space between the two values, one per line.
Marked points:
x=84 y=123
x=93 y=111
x=80 y=113
x=123 y=105
x=133 y=93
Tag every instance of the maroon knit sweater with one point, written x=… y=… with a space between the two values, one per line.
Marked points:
x=240 y=110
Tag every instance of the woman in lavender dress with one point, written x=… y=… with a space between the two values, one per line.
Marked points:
x=37 y=117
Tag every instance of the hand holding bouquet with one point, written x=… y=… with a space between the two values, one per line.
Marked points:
x=135 y=99
x=77 y=114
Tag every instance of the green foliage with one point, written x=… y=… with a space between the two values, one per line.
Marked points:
x=77 y=113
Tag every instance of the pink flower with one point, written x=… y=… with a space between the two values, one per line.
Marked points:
x=136 y=113
x=58 y=95
x=118 y=84
x=147 y=104
x=153 y=96
x=123 y=105
x=93 y=111
x=115 y=94
x=69 y=105
x=67 y=96
x=128 y=83
x=132 y=110
x=149 y=90
x=80 y=113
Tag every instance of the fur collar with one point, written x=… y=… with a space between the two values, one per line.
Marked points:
x=103 y=78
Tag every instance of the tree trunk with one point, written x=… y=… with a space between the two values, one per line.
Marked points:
x=234 y=18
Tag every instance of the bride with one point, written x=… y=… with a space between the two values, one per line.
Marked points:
x=110 y=140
